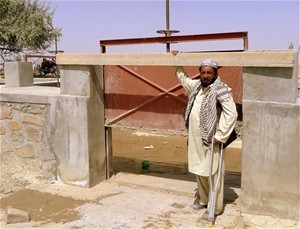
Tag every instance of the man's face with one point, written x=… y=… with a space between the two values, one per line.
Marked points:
x=207 y=75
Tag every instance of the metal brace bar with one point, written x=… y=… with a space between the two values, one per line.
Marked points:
x=154 y=85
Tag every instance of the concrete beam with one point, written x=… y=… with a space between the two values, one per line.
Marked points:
x=274 y=84
x=270 y=84
x=284 y=58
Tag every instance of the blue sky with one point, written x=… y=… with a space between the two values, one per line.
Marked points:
x=271 y=25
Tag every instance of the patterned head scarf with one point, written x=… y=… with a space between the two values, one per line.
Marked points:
x=208 y=112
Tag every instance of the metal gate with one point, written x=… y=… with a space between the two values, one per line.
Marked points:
x=151 y=97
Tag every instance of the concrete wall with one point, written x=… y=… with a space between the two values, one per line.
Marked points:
x=270 y=164
x=50 y=133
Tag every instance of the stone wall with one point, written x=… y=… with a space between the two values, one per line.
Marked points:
x=53 y=133
x=25 y=145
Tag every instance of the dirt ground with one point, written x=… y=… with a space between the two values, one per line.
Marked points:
x=164 y=152
x=133 y=151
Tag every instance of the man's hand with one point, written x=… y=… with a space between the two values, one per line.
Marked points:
x=217 y=142
x=174 y=52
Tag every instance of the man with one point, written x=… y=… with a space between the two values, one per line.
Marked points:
x=205 y=127
x=48 y=66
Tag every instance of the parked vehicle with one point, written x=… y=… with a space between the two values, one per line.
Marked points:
x=49 y=66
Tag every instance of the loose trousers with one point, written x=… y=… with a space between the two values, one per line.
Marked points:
x=203 y=190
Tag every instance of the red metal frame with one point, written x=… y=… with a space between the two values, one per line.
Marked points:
x=180 y=38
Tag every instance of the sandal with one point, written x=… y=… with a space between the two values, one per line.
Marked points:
x=206 y=214
x=198 y=206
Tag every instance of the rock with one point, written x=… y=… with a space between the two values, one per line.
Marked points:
x=149 y=147
x=34 y=134
x=26 y=151
x=14 y=125
x=2 y=130
x=7 y=146
x=7 y=190
x=32 y=119
x=13 y=215
x=17 y=136
x=6 y=112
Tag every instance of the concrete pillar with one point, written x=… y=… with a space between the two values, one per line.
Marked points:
x=18 y=74
x=270 y=161
x=80 y=136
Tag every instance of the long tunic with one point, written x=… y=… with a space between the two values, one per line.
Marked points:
x=198 y=153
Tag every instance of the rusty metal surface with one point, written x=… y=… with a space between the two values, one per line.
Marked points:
x=151 y=96
x=146 y=91
x=179 y=38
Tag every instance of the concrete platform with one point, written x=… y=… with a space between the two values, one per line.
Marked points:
x=133 y=201
x=40 y=81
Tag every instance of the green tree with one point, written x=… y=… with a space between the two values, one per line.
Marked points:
x=26 y=25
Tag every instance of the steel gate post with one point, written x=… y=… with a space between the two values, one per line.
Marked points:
x=108 y=152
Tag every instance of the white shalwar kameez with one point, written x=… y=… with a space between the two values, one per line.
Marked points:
x=198 y=153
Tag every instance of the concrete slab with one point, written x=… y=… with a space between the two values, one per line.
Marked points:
x=144 y=201
x=34 y=94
